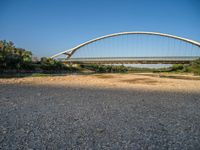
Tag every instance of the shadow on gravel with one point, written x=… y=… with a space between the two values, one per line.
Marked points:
x=45 y=117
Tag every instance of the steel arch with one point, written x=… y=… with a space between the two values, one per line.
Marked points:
x=71 y=51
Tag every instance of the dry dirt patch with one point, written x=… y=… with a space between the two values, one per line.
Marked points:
x=141 y=81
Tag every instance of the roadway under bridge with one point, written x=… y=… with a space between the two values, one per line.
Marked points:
x=133 y=48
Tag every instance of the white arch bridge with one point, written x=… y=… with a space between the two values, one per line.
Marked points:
x=133 y=47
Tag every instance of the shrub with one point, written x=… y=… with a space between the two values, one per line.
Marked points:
x=177 y=67
x=105 y=68
x=194 y=67
x=12 y=58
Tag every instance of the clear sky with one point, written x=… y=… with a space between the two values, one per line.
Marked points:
x=49 y=26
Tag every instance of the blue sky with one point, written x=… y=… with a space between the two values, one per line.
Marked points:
x=49 y=26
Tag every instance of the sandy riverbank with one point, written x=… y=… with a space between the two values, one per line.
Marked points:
x=148 y=81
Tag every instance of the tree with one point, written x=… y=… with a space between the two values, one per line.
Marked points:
x=13 y=58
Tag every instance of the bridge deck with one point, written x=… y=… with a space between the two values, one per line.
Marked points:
x=131 y=60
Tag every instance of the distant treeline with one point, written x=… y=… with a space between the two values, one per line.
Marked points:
x=14 y=59
x=193 y=67
x=114 y=68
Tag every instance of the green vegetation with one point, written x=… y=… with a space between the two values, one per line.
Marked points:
x=105 y=68
x=21 y=75
x=12 y=58
x=115 y=69
x=138 y=70
x=193 y=67
x=52 y=66
x=18 y=60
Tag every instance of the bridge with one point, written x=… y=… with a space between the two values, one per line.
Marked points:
x=133 y=48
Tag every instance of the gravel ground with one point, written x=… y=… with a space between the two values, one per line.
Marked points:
x=62 y=116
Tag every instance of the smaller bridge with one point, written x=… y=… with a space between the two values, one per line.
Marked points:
x=133 y=48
